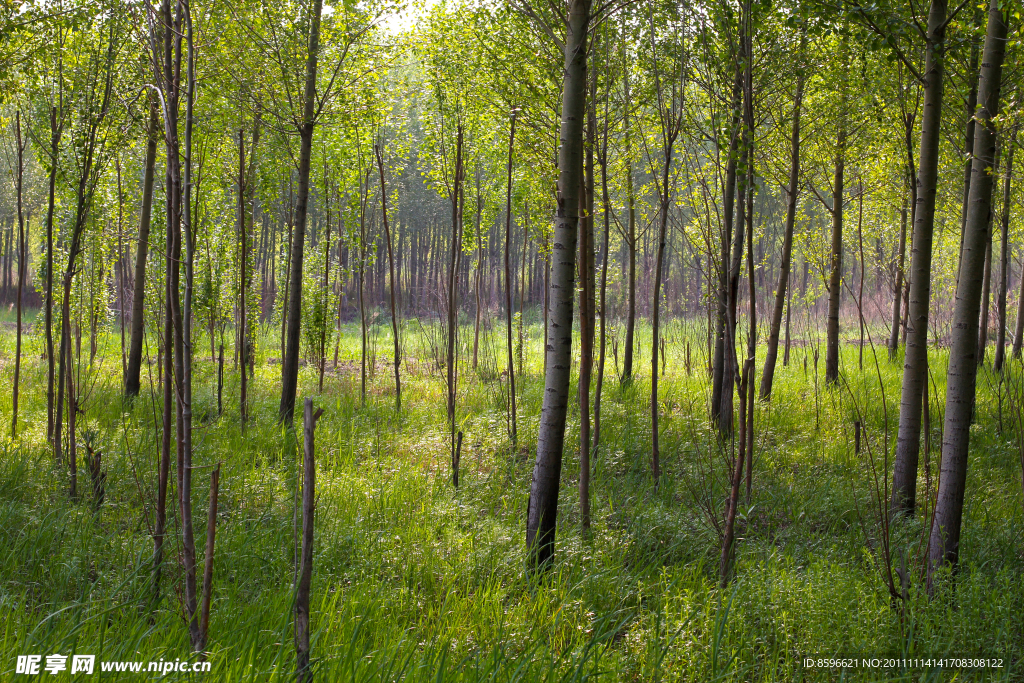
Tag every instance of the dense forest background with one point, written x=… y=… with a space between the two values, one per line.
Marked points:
x=311 y=310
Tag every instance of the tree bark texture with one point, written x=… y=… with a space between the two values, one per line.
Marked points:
x=944 y=543
x=543 y=505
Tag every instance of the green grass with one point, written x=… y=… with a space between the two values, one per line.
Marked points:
x=416 y=581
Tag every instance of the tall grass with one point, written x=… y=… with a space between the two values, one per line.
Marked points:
x=415 y=581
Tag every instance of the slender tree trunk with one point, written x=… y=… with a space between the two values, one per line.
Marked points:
x=656 y=314
x=547 y=300
x=5 y=260
x=789 y=309
x=970 y=109
x=835 y=278
x=721 y=358
x=1004 y=259
x=22 y=265
x=604 y=279
x=908 y=127
x=290 y=359
x=508 y=288
x=306 y=567
x=986 y=290
x=453 y=300
x=860 y=292
x=670 y=126
x=748 y=404
x=781 y=292
x=55 y=135
x=393 y=283
x=627 y=362
x=362 y=294
x=211 y=536
x=132 y=382
x=944 y=543
x=897 y=297
x=1018 y=332
x=724 y=563
x=287 y=271
x=478 y=284
x=122 y=264
x=326 y=293
x=184 y=346
x=243 y=407
x=730 y=367
x=159 y=529
x=522 y=286
x=89 y=149
x=542 y=510
x=585 y=243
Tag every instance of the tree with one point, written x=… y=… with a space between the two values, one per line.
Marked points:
x=792 y=193
x=305 y=126
x=508 y=285
x=961 y=376
x=835 y=268
x=393 y=282
x=93 y=96
x=916 y=358
x=542 y=511
x=1004 y=257
x=19 y=182
x=132 y=382
x=670 y=123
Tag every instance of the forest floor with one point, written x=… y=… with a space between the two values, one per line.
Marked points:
x=414 y=580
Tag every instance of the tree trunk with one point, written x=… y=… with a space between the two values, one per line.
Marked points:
x=730 y=365
x=86 y=152
x=860 y=291
x=184 y=346
x=362 y=284
x=508 y=288
x=287 y=245
x=242 y=234
x=897 y=297
x=835 y=278
x=132 y=382
x=1018 y=332
x=393 y=283
x=670 y=124
x=986 y=289
x=604 y=280
x=165 y=437
x=748 y=404
x=55 y=135
x=290 y=358
x=478 y=284
x=944 y=543
x=306 y=566
x=211 y=536
x=656 y=315
x=587 y=316
x=724 y=562
x=453 y=298
x=22 y=265
x=971 y=107
x=721 y=358
x=1004 y=259
x=781 y=292
x=522 y=285
x=542 y=509
x=627 y=363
